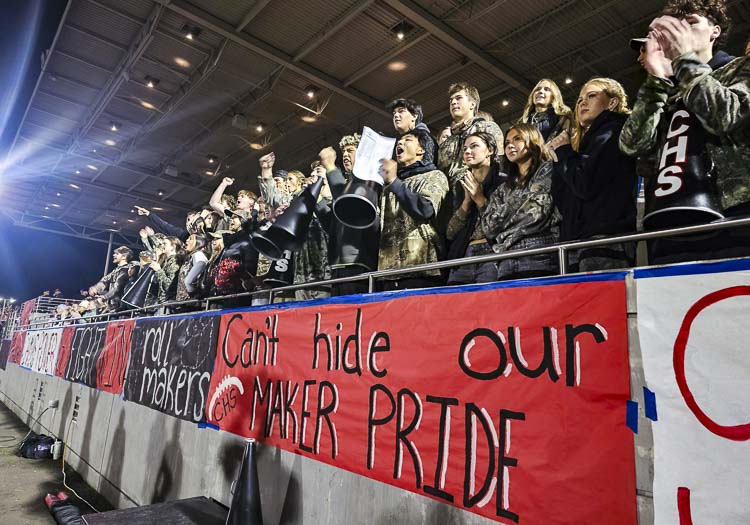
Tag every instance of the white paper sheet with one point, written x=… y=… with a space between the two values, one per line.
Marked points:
x=372 y=148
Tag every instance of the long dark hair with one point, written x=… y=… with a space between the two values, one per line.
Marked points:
x=537 y=149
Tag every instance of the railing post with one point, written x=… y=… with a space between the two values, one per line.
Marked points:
x=563 y=260
x=370 y=283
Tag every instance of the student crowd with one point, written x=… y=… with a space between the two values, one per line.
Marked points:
x=557 y=174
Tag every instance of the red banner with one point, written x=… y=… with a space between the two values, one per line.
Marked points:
x=508 y=402
x=16 y=347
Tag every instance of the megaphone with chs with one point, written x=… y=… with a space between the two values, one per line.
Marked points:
x=135 y=296
x=357 y=207
x=289 y=231
x=281 y=272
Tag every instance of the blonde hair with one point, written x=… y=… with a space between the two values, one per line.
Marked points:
x=247 y=193
x=613 y=89
x=558 y=104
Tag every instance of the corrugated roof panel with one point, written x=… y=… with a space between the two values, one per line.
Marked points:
x=94 y=18
x=176 y=54
x=302 y=21
x=77 y=70
x=133 y=8
x=89 y=50
x=48 y=102
x=367 y=38
x=243 y=64
x=35 y=116
x=231 y=11
x=419 y=63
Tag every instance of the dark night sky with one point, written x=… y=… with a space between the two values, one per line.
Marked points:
x=33 y=261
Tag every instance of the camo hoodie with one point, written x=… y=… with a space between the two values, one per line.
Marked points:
x=718 y=94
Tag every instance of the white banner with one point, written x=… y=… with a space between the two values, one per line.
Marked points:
x=694 y=331
x=40 y=350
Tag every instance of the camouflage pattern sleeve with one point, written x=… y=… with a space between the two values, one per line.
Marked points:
x=434 y=187
x=720 y=108
x=639 y=134
x=493 y=129
x=495 y=213
x=271 y=193
x=458 y=222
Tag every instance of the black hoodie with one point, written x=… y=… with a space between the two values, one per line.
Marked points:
x=594 y=188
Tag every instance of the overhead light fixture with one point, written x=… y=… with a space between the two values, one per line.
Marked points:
x=209 y=173
x=58 y=194
x=114 y=126
x=147 y=105
x=568 y=80
x=191 y=32
x=151 y=82
x=181 y=62
x=110 y=142
x=311 y=92
x=74 y=186
x=91 y=167
x=259 y=127
x=397 y=65
x=160 y=193
x=309 y=119
x=54 y=205
x=46 y=217
x=114 y=222
x=132 y=210
x=212 y=159
x=256 y=146
x=402 y=29
x=505 y=102
x=46 y=207
x=131 y=220
x=93 y=150
x=157 y=208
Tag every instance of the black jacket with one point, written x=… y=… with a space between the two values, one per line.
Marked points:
x=594 y=188
x=347 y=246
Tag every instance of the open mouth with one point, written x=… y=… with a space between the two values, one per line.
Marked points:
x=399 y=150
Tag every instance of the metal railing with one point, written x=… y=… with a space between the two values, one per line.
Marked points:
x=561 y=249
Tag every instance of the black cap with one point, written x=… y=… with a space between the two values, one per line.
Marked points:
x=636 y=43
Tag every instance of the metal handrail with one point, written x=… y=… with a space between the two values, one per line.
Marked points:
x=562 y=249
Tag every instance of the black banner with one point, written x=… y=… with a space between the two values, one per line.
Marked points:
x=85 y=347
x=171 y=361
x=4 y=353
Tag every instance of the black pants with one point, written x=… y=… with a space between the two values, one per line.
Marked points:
x=409 y=283
x=351 y=288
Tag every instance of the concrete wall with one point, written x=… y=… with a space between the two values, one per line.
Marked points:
x=134 y=456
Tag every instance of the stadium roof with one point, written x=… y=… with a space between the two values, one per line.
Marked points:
x=130 y=111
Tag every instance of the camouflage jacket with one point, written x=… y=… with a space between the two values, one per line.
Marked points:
x=720 y=99
x=113 y=285
x=272 y=195
x=514 y=213
x=404 y=239
x=167 y=278
x=451 y=153
x=311 y=262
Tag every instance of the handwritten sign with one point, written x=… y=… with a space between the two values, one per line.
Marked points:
x=170 y=364
x=508 y=402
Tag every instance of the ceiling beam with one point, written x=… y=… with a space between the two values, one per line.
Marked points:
x=135 y=51
x=193 y=84
x=254 y=11
x=265 y=50
x=458 y=42
x=332 y=28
